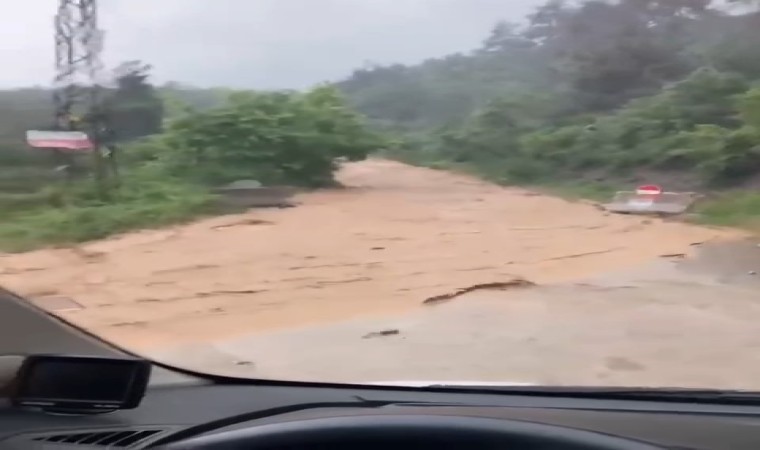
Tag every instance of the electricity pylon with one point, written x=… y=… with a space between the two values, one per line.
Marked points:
x=78 y=85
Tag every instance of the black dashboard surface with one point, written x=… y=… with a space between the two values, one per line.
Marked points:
x=173 y=408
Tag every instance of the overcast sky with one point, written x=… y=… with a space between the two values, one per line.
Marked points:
x=256 y=43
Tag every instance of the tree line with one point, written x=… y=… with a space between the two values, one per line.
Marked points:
x=601 y=92
x=621 y=90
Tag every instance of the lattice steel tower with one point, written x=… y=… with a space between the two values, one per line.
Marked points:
x=78 y=85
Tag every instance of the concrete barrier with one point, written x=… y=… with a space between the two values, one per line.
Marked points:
x=253 y=195
x=667 y=203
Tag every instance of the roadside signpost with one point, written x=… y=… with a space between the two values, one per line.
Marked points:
x=651 y=199
x=60 y=140
x=645 y=197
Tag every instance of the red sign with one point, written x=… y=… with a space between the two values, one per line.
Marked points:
x=68 y=140
x=645 y=196
x=649 y=189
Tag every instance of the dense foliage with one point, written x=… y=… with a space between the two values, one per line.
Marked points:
x=594 y=90
x=172 y=152
x=274 y=137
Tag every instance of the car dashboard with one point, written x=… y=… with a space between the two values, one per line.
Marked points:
x=202 y=408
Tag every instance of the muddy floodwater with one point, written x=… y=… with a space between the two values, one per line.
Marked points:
x=414 y=274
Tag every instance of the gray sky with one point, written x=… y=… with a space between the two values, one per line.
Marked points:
x=257 y=43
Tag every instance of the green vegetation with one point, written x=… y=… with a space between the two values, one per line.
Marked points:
x=169 y=164
x=274 y=137
x=734 y=209
x=582 y=98
x=141 y=202
x=588 y=96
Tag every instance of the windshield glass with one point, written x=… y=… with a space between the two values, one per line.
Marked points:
x=474 y=191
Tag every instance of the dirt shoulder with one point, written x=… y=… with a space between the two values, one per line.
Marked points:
x=394 y=237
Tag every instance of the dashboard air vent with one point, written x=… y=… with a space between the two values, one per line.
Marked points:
x=113 y=439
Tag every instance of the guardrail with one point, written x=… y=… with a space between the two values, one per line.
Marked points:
x=255 y=197
x=670 y=203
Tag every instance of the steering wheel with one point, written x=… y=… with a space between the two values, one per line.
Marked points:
x=408 y=431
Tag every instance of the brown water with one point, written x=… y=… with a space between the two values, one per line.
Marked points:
x=375 y=251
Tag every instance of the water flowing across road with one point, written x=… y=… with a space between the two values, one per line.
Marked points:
x=412 y=273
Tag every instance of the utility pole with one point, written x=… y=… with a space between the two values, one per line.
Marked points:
x=78 y=86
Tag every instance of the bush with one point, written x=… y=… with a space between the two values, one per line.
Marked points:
x=139 y=203
x=277 y=138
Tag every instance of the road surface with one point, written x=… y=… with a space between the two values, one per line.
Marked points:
x=367 y=283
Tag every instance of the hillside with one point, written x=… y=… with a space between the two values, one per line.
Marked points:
x=598 y=93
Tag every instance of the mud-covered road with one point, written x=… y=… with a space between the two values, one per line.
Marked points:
x=298 y=293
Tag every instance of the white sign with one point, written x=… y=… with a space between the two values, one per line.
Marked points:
x=640 y=203
x=69 y=140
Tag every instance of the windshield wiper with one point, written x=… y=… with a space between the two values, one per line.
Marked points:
x=679 y=395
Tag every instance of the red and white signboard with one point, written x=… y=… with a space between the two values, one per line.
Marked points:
x=645 y=196
x=67 y=140
x=649 y=189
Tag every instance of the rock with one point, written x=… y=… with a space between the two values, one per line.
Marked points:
x=382 y=333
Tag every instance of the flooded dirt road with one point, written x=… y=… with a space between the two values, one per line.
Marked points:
x=372 y=273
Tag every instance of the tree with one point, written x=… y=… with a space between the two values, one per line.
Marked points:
x=275 y=137
x=135 y=108
x=612 y=52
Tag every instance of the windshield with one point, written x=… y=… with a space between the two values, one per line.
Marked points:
x=452 y=191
